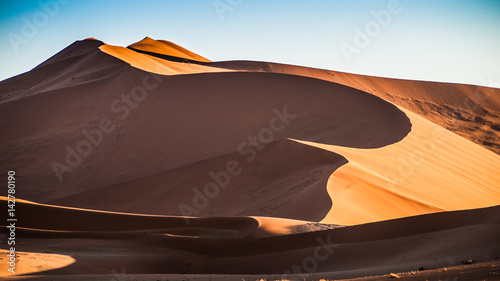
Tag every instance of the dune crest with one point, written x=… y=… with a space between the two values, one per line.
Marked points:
x=154 y=64
x=167 y=48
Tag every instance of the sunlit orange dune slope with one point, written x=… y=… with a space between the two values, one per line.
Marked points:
x=157 y=65
x=430 y=170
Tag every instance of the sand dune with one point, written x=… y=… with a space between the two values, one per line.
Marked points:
x=244 y=167
x=224 y=111
x=149 y=62
x=468 y=110
x=213 y=106
x=163 y=47
x=100 y=242
x=430 y=170
x=265 y=186
x=161 y=57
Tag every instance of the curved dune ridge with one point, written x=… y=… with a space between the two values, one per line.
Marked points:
x=149 y=61
x=240 y=167
x=471 y=111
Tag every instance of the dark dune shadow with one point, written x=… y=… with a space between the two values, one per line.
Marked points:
x=282 y=181
x=352 y=248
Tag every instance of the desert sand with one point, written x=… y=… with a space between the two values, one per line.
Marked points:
x=151 y=160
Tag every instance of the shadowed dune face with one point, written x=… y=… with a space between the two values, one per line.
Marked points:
x=470 y=111
x=286 y=179
x=79 y=220
x=98 y=242
x=67 y=67
x=182 y=120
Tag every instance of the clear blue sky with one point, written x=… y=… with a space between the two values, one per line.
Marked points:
x=438 y=40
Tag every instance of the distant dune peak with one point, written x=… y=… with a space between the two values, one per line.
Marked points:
x=163 y=47
x=161 y=57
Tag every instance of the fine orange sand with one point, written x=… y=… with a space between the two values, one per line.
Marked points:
x=379 y=175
